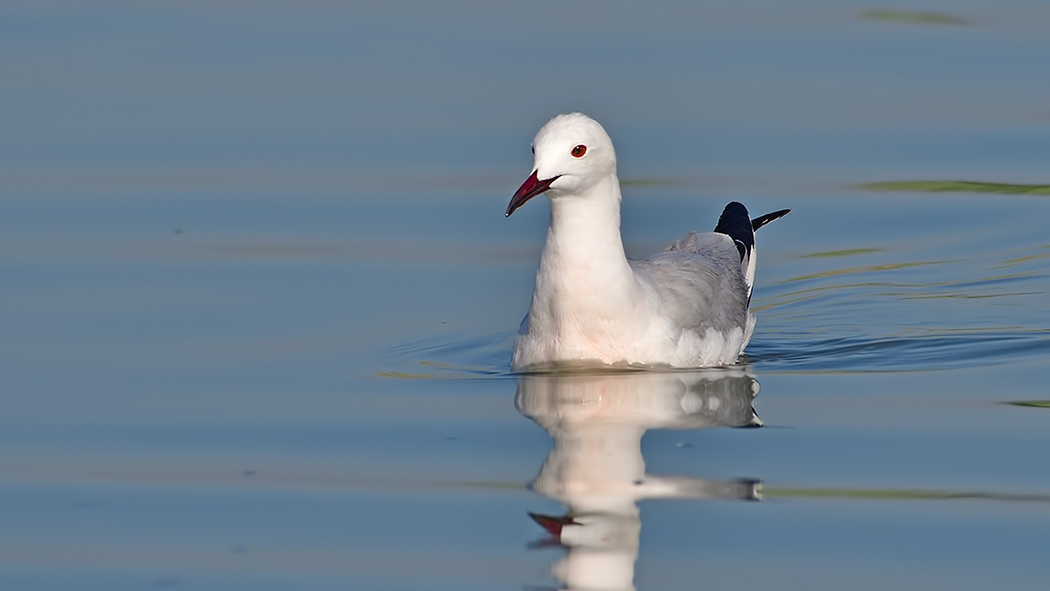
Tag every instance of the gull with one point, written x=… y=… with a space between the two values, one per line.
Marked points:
x=684 y=307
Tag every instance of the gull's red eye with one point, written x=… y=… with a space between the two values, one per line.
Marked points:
x=579 y=151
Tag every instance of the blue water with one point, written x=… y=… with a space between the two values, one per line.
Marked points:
x=258 y=298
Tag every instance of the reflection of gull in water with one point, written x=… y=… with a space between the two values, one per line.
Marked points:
x=596 y=467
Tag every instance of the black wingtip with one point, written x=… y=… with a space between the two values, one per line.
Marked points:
x=731 y=216
x=736 y=223
x=769 y=217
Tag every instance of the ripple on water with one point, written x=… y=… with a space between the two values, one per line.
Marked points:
x=451 y=357
x=906 y=316
x=489 y=356
x=921 y=350
x=882 y=317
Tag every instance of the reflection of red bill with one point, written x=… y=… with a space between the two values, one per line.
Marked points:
x=530 y=188
x=553 y=525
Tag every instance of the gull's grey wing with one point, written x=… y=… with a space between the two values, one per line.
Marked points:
x=699 y=282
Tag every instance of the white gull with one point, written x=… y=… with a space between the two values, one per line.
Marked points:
x=684 y=307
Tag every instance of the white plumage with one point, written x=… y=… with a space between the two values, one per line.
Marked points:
x=684 y=307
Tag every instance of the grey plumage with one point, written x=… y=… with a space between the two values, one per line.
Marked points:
x=699 y=282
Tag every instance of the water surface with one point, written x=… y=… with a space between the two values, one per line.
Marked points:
x=259 y=297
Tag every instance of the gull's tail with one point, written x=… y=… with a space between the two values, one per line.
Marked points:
x=738 y=225
x=769 y=217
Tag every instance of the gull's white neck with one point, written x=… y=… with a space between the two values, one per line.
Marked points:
x=584 y=281
x=585 y=229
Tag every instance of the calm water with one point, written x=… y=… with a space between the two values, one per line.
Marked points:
x=258 y=297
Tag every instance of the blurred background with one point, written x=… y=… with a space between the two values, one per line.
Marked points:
x=259 y=294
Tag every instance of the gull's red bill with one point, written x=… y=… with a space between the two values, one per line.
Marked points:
x=530 y=188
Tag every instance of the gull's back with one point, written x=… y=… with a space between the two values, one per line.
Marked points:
x=699 y=282
x=701 y=293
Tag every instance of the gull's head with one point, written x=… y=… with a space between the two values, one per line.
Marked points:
x=573 y=153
